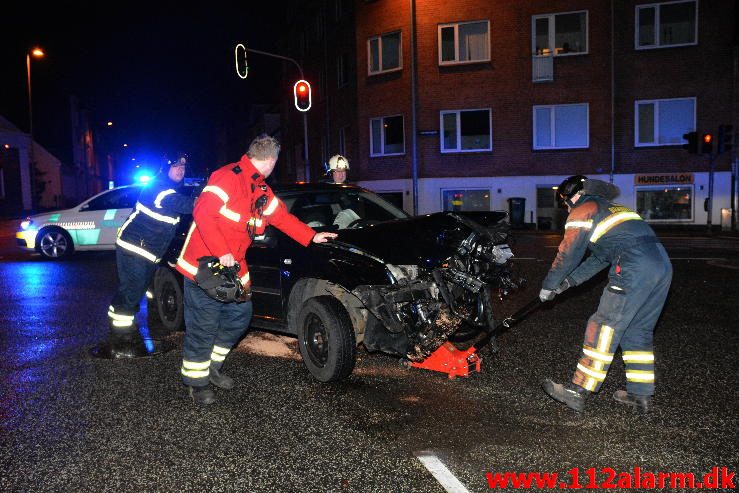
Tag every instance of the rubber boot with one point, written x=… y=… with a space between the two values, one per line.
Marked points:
x=640 y=403
x=220 y=380
x=202 y=396
x=569 y=394
x=127 y=344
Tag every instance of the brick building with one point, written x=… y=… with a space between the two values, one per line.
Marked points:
x=511 y=97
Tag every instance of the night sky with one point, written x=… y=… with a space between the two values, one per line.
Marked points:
x=163 y=72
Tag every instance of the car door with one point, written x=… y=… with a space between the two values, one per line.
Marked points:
x=104 y=215
x=265 y=271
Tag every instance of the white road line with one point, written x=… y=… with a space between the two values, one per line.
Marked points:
x=443 y=475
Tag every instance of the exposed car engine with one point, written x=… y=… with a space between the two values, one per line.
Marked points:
x=423 y=307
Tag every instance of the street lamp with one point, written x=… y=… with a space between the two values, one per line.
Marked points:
x=37 y=53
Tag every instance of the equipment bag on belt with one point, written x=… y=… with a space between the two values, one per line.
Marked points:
x=220 y=282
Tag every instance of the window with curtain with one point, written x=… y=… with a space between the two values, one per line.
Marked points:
x=464 y=42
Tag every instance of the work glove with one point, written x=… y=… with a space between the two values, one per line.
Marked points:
x=566 y=284
x=547 y=295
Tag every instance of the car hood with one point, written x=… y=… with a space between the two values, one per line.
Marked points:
x=422 y=240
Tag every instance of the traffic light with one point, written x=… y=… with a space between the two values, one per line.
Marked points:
x=692 y=145
x=725 y=138
x=302 y=91
x=707 y=144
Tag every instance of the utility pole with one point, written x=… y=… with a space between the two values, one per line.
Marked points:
x=306 y=163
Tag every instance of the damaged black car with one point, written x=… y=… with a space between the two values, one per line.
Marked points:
x=393 y=283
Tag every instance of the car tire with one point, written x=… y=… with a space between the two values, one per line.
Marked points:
x=326 y=339
x=54 y=243
x=166 y=310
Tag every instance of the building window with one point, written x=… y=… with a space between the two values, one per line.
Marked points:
x=662 y=25
x=560 y=34
x=465 y=200
x=343 y=133
x=663 y=121
x=384 y=53
x=464 y=42
x=562 y=126
x=465 y=130
x=387 y=136
x=342 y=69
x=667 y=203
x=338 y=9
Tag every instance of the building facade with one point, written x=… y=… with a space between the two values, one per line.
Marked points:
x=477 y=104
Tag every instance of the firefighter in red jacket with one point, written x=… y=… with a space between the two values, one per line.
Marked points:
x=234 y=207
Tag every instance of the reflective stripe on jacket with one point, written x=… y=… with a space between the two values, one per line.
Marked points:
x=604 y=228
x=234 y=207
x=149 y=229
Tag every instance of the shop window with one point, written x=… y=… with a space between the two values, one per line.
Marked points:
x=465 y=131
x=668 y=203
x=384 y=53
x=663 y=121
x=563 y=126
x=387 y=136
x=465 y=200
x=464 y=42
x=560 y=34
x=663 y=25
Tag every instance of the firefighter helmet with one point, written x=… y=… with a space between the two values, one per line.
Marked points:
x=570 y=187
x=220 y=282
x=338 y=162
x=173 y=159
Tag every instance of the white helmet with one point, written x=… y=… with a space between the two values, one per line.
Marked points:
x=338 y=162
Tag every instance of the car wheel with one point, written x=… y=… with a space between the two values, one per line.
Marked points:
x=326 y=339
x=165 y=311
x=54 y=243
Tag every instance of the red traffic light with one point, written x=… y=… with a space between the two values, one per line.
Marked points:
x=707 y=138
x=302 y=93
x=707 y=144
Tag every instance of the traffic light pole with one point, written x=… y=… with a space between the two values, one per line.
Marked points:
x=306 y=163
x=709 y=207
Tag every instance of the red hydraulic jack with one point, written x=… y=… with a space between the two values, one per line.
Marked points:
x=452 y=361
x=455 y=362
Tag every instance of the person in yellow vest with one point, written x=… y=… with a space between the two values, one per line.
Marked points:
x=638 y=283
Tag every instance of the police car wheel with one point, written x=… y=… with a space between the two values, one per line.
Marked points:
x=54 y=243
x=326 y=339
x=165 y=311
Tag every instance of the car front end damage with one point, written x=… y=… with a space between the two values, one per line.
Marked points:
x=447 y=294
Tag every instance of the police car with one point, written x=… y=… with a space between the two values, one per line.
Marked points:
x=92 y=225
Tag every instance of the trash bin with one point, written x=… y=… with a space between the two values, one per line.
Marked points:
x=516 y=210
x=725 y=219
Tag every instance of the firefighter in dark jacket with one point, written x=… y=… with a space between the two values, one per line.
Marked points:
x=638 y=282
x=142 y=241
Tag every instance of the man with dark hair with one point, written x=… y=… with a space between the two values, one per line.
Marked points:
x=638 y=283
x=235 y=207
x=142 y=241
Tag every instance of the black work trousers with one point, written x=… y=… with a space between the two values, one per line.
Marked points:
x=134 y=275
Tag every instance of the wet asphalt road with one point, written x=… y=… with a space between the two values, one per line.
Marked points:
x=70 y=422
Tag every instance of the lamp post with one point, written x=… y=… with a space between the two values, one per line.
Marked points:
x=38 y=53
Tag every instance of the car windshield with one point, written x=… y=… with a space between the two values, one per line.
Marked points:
x=341 y=209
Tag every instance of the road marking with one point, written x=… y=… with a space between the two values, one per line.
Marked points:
x=446 y=479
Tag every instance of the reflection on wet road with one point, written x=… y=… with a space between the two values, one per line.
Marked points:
x=70 y=422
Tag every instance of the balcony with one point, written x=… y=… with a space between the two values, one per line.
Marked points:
x=542 y=68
